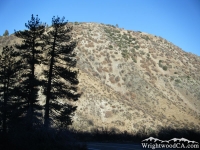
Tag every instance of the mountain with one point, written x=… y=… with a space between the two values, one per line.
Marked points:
x=131 y=80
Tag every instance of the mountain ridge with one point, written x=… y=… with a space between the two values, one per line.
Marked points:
x=132 y=80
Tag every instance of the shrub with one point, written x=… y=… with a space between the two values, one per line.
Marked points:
x=125 y=37
x=148 y=55
x=136 y=47
x=134 y=59
x=76 y=23
x=110 y=47
x=133 y=50
x=165 y=68
x=125 y=54
x=142 y=52
x=178 y=81
x=90 y=122
x=160 y=65
x=117 y=79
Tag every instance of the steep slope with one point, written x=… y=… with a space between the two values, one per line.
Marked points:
x=132 y=80
x=155 y=82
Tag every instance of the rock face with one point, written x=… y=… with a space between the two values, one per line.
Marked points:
x=132 y=80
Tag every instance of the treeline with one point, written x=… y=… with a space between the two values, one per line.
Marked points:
x=20 y=106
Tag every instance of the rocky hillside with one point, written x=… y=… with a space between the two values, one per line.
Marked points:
x=132 y=80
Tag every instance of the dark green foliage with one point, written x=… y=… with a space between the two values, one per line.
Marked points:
x=178 y=81
x=134 y=59
x=110 y=47
x=107 y=30
x=136 y=47
x=6 y=33
x=148 y=55
x=10 y=100
x=133 y=50
x=59 y=47
x=30 y=52
x=6 y=74
x=125 y=54
x=165 y=68
x=160 y=63
x=20 y=112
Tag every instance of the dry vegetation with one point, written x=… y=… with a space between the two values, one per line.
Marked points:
x=132 y=81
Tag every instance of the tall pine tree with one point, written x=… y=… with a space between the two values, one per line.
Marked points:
x=9 y=95
x=61 y=77
x=30 y=51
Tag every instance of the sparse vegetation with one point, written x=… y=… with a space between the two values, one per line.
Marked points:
x=125 y=95
x=125 y=54
x=146 y=38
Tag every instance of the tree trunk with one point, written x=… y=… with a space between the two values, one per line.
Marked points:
x=46 y=117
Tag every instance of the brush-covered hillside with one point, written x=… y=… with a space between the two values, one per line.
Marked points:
x=131 y=80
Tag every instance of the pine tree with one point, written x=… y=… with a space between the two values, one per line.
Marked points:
x=9 y=68
x=30 y=52
x=6 y=33
x=62 y=77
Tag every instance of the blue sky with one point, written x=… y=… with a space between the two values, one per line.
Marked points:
x=178 y=21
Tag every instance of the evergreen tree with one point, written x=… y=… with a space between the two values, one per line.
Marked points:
x=62 y=77
x=6 y=33
x=9 y=68
x=30 y=52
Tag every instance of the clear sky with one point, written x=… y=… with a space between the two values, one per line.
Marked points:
x=178 y=21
